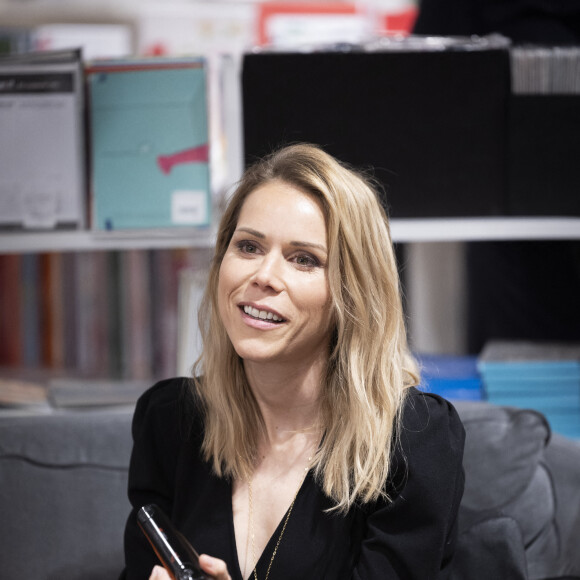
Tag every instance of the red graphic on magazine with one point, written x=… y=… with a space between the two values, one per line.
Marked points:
x=194 y=155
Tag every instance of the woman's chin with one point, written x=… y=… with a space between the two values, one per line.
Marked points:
x=253 y=351
x=258 y=357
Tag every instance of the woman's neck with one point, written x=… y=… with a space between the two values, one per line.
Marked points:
x=289 y=399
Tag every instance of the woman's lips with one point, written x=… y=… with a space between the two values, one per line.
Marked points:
x=260 y=317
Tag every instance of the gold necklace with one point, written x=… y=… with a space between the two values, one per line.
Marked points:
x=251 y=522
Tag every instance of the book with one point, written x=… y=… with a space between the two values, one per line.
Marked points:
x=539 y=375
x=30 y=312
x=41 y=141
x=453 y=377
x=10 y=309
x=222 y=32
x=513 y=352
x=15 y=392
x=85 y=393
x=95 y=40
x=135 y=314
x=164 y=267
x=149 y=144
x=191 y=287
x=204 y=27
x=52 y=310
x=69 y=291
x=15 y=40
x=114 y=313
x=92 y=319
x=293 y=24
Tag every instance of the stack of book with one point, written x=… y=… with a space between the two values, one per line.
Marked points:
x=112 y=315
x=94 y=40
x=540 y=376
x=545 y=70
x=543 y=131
x=452 y=377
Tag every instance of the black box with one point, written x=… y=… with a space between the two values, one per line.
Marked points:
x=544 y=155
x=431 y=124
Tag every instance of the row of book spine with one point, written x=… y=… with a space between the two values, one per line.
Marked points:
x=93 y=314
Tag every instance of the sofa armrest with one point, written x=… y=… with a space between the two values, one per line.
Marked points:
x=489 y=545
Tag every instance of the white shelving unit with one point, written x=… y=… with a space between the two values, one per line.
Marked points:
x=485 y=229
x=80 y=241
x=403 y=230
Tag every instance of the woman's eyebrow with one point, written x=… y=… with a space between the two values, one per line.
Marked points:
x=309 y=245
x=297 y=244
x=252 y=232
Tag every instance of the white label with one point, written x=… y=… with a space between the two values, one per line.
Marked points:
x=189 y=208
x=40 y=206
x=292 y=29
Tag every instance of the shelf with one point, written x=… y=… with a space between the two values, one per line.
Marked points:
x=403 y=230
x=23 y=14
x=79 y=241
x=485 y=229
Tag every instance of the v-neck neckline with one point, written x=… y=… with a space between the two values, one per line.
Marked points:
x=269 y=547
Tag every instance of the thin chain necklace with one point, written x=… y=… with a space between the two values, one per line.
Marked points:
x=251 y=523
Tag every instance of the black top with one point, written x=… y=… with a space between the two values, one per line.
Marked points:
x=411 y=538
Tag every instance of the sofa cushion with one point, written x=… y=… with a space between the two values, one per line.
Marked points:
x=503 y=450
x=505 y=473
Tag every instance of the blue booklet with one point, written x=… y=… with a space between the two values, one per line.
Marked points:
x=452 y=377
x=149 y=143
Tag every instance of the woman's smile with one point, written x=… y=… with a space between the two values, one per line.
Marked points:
x=265 y=317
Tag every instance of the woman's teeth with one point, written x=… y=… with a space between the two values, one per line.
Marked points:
x=263 y=314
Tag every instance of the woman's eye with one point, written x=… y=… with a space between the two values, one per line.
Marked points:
x=306 y=261
x=247 y=247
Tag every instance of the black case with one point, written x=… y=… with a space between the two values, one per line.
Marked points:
x=172 y=548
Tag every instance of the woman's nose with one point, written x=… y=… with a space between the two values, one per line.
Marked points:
x=268 y=273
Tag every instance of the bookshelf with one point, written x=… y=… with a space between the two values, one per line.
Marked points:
x=403 y=231
x=74 y=245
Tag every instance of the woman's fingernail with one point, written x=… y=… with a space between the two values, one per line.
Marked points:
x=209 y=562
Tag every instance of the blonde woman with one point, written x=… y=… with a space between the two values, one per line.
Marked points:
x=303 y=450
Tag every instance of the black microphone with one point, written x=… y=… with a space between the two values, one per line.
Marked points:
x=172 y=548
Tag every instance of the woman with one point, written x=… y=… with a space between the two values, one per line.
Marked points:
x=303 y=451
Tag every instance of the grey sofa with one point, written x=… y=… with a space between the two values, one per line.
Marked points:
x=520 y=513
x=63 y=505
x=63 y=498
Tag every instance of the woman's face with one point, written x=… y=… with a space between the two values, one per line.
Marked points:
x=273 y=292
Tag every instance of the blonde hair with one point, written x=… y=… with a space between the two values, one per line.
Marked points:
x=369 y=366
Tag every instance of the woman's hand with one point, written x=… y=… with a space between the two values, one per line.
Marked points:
x=159 y=573
x=215 y=567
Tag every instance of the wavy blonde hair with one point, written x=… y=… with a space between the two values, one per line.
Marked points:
x=369 y=366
